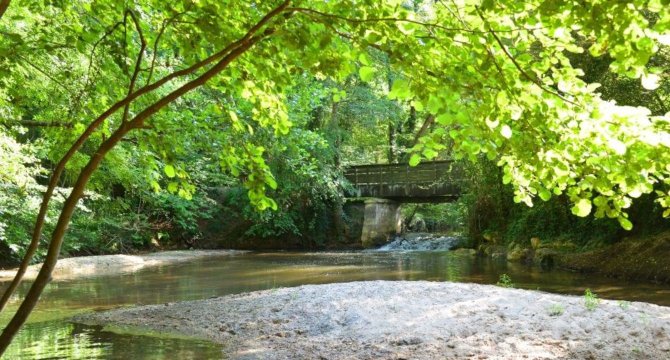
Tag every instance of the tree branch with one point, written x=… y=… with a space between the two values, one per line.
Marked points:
x=430 y=120
x=95 y=46
x=661 y=103
x=49 y=76
x=516 y=64
x=164 y=26
x=389 y=19
x=138 y=63
x=4 y=4
x=368 y=20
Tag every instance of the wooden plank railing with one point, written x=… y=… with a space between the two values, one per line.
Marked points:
x=434 y=179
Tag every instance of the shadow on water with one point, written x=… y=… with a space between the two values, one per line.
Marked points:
x=49 y=336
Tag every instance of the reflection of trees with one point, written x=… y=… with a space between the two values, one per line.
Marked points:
x=62 y=340
x=53 y=340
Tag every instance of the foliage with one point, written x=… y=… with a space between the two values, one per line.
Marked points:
x=556 y=310
x=505 y=281
x=591 y=300
x=436 y=218
x=555 y=100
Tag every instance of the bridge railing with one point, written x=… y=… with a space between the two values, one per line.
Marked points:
x=427 y=179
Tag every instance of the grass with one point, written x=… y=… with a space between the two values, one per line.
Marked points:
x=556 y=310
x=591 y=300
x=505 y=281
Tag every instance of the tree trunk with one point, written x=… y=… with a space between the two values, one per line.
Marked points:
x=427 y=124
x=4 y=4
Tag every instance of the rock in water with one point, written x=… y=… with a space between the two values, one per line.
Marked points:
x=421 y=242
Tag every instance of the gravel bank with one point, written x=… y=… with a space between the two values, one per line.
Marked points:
x=409 y=320
x=115 y=264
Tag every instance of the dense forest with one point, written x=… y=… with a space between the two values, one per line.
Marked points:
x=143 y=125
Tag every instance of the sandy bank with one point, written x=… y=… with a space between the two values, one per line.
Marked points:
x=410 y=320
x=115 y=264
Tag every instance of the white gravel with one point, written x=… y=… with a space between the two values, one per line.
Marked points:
x=409 y=320
x=86 y=266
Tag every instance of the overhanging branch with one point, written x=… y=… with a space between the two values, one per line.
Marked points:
x=4 y=4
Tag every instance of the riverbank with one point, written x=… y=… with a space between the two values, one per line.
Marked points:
x=402 y=320
x=635 y=258
x=641 y=258
x=86 y=266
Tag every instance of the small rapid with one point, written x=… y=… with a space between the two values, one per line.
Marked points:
x=421 y=242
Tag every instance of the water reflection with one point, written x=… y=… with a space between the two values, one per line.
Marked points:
x=48 y=336
x=63 y=340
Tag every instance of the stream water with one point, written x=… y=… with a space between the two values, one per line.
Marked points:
x=49 y=335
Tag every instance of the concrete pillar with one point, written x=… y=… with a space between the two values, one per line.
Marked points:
x=382 y=221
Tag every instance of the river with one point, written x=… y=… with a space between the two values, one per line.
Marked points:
x=48 y=334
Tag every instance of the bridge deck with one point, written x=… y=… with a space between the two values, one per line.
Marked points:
x=429 y=181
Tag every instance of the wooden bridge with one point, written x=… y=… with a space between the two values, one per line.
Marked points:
x=437 y=181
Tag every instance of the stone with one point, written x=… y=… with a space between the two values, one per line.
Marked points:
x=545 y=257
x=518 y=255
x=467 y=252
x=492 y=237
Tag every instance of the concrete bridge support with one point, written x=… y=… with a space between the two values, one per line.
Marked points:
x=382 y=221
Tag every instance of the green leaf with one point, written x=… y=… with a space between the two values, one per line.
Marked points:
x=364 y=59
x=366 y=73
x=507 y=178
x=544 y=194
x=400 y=90
x=169 y=171
x=429 y=153
x=625 y=223
x=172 y=187
x=582 y=208
x=414 y=160
x=271 y=182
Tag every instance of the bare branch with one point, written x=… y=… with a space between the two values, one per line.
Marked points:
x=397 y=20
x=138 y=62
x=95 y=47
x=516 y=64
x=369 y=20
x=164 y=26
x=45 y=73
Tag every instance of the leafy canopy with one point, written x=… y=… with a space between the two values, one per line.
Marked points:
x=497 y=76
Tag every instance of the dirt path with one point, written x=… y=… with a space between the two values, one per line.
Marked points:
x=410 y=320
x=86 y=266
